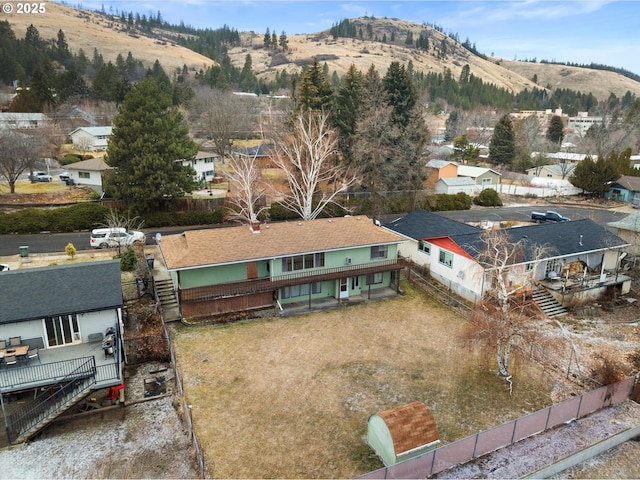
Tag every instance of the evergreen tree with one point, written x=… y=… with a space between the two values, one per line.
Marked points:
x=248 y=80
x=284 y=43
x=349 y=97
x=149 y=135
x=61 y=48
x=314 y=91
x=374 y=139
x=401 y=94
x=502 y=147
x=555 y=133
x=594 y=178
x=267 y=39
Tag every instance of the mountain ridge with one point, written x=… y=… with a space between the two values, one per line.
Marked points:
x=90 y=29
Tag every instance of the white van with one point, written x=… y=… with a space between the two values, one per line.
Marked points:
x=114 y=237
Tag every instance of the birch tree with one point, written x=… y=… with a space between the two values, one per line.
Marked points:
x=313 y=171
x=243 y=204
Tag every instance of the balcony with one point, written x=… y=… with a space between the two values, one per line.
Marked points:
x=57 y=363
x=246 y=287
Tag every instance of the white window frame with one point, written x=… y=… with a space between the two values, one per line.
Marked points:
x=445 y=258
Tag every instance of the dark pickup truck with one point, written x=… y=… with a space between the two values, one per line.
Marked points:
x=548 y=216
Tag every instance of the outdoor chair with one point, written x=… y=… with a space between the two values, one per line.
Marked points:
x=33 y=353
x=3 y=344
x=15 y=341
x=10 y=361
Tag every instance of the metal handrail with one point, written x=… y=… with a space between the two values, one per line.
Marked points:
x=53 y=372
x=51 y=400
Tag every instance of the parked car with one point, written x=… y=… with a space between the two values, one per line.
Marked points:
x=4 y=267
x=548 y=216
x=64 y=176
x=41 y=177
x=114 y=237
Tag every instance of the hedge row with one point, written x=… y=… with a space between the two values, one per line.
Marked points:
x=90 y=215
x=86 y=216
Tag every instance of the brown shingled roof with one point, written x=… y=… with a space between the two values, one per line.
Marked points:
x=239 y=244
x=411 y=426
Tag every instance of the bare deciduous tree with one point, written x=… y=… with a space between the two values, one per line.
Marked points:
x=501 y=324
x=18 y=153
x=114 y=220
x=312 y=169
x=243 y=203
x=224 y=117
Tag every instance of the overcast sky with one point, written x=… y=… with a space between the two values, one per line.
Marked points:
x=604 y=32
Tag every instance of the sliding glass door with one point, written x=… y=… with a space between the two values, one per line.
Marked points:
x=62 y=330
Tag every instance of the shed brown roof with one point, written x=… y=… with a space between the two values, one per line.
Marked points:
x=240 y=244
x=411 y=426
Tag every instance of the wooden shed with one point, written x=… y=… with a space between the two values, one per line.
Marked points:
x=402 y=432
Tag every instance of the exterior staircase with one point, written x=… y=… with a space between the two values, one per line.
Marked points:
x=546 y=303
x=166 y=295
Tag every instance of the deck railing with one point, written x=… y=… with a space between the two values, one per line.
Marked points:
x=47 y=373
x=258 y=285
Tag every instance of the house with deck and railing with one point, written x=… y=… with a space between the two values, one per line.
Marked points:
x=269 y=266
x=60 y=340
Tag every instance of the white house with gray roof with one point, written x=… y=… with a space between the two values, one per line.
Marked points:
x=91 y=138
x=89 y=172
x=451 y=186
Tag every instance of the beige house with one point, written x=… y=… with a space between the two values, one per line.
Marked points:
x=628 y=229
x=482 y=176
x=556 y=171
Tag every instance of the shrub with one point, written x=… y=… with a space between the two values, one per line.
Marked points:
x=70 y=250
x=128 y=260
x=83 y=216
x=607 y=369
x=70 y=158
x=488 y=198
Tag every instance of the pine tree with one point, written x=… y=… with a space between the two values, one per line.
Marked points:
x=502 y=148
x=314 y=91
x=555 y=133
x=267 y=39
x=401 y=92
x=349 y=99
x=149 y=135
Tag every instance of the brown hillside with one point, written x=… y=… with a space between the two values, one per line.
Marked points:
x=585 y=80
x=341 y=53
x=88 y=30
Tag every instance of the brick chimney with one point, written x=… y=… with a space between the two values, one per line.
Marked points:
x=254 y=225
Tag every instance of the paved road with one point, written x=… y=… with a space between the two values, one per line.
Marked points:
x=48 y=242
x=523 y=214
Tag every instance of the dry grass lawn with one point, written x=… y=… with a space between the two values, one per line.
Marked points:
x=290 y=397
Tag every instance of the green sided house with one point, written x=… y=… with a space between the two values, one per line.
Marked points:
x=244 y=268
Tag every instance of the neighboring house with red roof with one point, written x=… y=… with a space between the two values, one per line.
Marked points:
x=581 y=262
x=244 y=268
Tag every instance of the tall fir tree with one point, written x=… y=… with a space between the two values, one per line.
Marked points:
x=555 y=130
x=502 y=147
x=148 y=138
x=400 y=92
x=349 y=97
x=314 y=91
